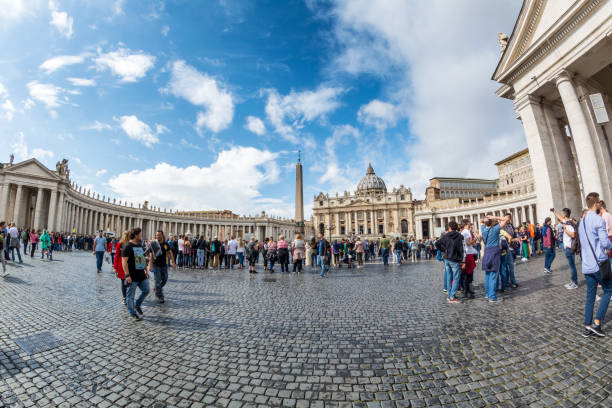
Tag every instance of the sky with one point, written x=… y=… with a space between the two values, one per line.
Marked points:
x=205 y=104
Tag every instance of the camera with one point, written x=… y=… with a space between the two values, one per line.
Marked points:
x=552 y=210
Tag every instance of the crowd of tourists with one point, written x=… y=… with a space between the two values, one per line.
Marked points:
x=590 y=238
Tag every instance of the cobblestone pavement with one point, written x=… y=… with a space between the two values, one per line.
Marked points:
x=371 y=337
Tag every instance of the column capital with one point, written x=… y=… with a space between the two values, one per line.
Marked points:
x=529 y=99
x=562 y=76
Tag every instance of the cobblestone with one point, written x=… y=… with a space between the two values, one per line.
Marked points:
x=371 y=337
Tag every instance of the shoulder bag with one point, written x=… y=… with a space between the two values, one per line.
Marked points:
x=604 y=266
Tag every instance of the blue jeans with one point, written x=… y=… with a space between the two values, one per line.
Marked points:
x=161 y=277
x=592 y=279
x=549 y=257
x=452 y=276
x=200 y=253
x=240 y=258
x=181 y=259
x=131 y=291
x=532 y=242
x=398 y=255
x=491 y=284
x=507 y=270
x=571 y=260
x=322 y=264
x=385 y=255
x=99 y=259
x=25 y=247
x=13 y=254
x=446 y=276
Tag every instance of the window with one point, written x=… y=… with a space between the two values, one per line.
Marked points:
x=404 y=227
x=380 y=214
x=403 y=212
x=380 y=228
x=360 y=215
x=402 y=197
x=341 y=216
x=321 y=203
x=342 y=230
x=361 y=229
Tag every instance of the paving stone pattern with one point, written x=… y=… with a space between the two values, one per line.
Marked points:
x=373 y=337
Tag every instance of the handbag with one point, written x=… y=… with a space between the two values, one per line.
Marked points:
x=604 y=266
x=14 y=242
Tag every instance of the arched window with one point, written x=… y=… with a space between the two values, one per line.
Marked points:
x=404 y=227
x=322 y=228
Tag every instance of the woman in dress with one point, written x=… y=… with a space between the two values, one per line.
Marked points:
x=299 y=252
x=117 y=264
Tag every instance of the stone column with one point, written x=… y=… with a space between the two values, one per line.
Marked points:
x=587 y=161
x=38 y=208
x=59 y=219
x=529 y=214
x=18 y=204
x=52 y=209
x=385 y=222
x=4 y=201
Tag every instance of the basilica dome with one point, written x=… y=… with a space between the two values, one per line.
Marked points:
x=371 y=183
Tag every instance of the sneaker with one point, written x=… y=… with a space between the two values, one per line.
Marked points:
x=454 y=300
x=136 y=317
x=514 y=286
x=597 y=298
x=524 y=260
x=587 y=333
x=596 y=330
x=124 y=301
x=547 y=271
x=444 y=290
x=139 y=310
x=161 y=300
x=498 y=300
x=571 y=286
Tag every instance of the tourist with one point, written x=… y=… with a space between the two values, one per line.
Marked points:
x=524 y=240
x=253 y=254
x=232 y=249
x=607 y=217
x=384 y=250
x=240 y=253
x=159 y=255
x=491 y=261
x=398 y=248
x=314 y=253
x=215 y=251
x=271 y=254
x=467 y=271
x=3 y=246
x=45 y=246
x=595 y=244
x=134 y=262
x=112 y=249
x=200 y=252
x=451 y=244
x=414 y=248
x=299 y=250
x=336 y=253
x=569 y=233
x=322 y=255
x=25 y=236
x=507 y=260
x=223 y=254
x=118 y=264
x=13 y=237
x=33 y=242
x=181 y=251
x=359 y=250
x=99 y=249
x=186 y=252
x=548 y=242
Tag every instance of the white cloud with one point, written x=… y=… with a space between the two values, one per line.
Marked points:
x=189 y=145
x=202 y=90
x=194 y=187
x=3 y=91
x=138 y=130
x=255 y=125
x=165 y=30
x=339 y=176
x=48 y=94
x=55 y=63
x=20 y=148
x=12 y=9
x=127 y=64
x=99 y=126
x=378 y=114
x=82 y=81
x=8 y=109
x=101 y=172
x=117 y=7
x=438 y=74
x=61 y=20
x=299 y=107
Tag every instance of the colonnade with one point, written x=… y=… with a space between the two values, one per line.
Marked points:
x=372 y=222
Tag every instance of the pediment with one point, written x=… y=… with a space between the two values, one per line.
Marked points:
x=31 y=167
x=535 y=21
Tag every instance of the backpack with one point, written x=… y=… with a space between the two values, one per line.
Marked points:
x=575 y=247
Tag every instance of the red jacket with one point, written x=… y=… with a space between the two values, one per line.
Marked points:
x=118 y=265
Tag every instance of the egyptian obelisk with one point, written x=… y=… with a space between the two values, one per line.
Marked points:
x=299 y=197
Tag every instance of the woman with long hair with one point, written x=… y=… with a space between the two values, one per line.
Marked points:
x=253 y=254
x=117 y=265
x=271 y=255
x=299 y=251
x=283 y=253
x=33 y=241
x=240 y=252
x=313 y=253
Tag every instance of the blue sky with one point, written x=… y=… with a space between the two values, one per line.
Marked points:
x=204 y=104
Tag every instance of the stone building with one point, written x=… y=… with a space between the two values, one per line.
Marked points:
x=33 y=196
x=453 y=187
x=369 y=212
x=513 y=193
x=556 y=67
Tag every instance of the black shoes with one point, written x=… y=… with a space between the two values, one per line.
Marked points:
x=596 y=330
x=136 y=317
x=139 y=310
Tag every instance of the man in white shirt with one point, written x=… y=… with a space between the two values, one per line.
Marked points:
x=569 y=232
x=181 y=251
x=231 y=252
x=13 y=234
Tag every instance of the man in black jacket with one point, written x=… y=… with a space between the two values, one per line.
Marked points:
x=451 y=244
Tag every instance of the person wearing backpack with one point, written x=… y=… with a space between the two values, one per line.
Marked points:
x=569 y=234
x=595 y=244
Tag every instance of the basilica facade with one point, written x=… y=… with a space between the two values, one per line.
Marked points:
x=369 y=212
